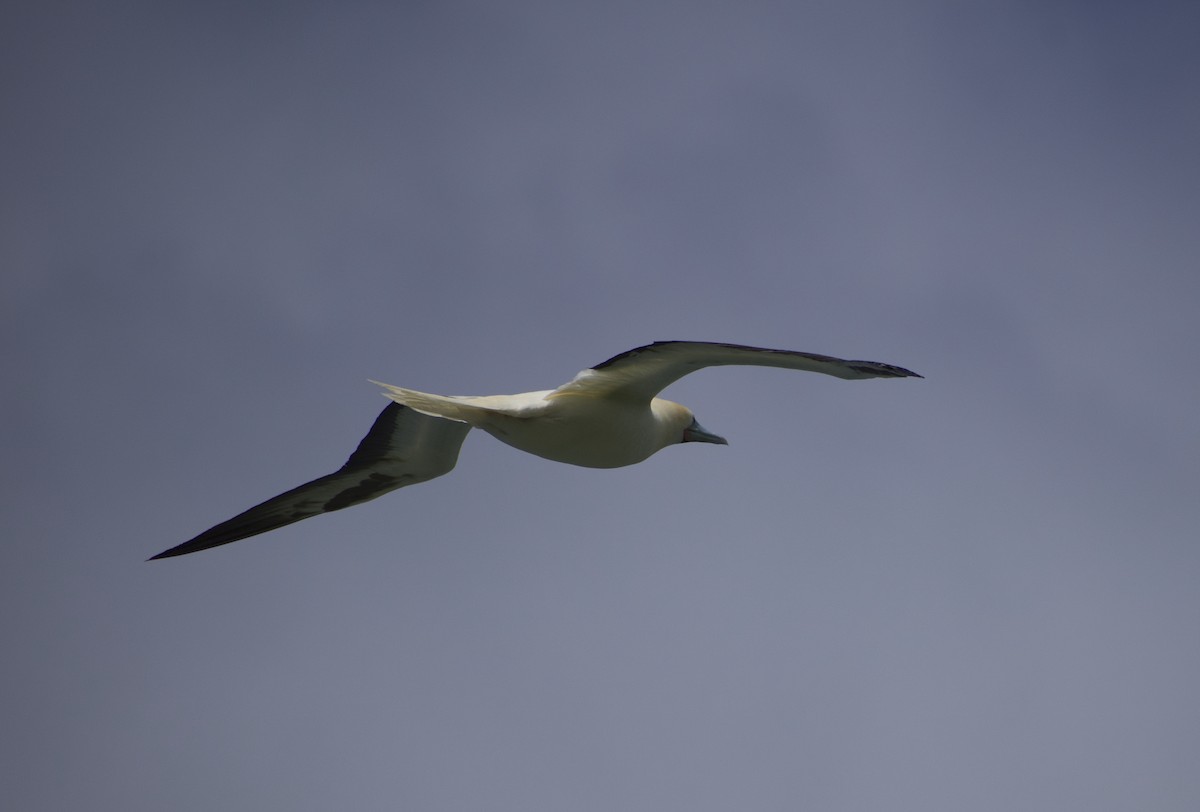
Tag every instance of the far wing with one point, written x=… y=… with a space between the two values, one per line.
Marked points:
x=402 y=448
x=645 y=371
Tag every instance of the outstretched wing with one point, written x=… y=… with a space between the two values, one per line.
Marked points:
x=645 y=371
x=402 y=448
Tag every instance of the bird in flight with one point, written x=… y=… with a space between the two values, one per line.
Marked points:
x=608 y=416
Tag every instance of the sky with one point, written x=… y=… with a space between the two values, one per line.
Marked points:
x=973 y=591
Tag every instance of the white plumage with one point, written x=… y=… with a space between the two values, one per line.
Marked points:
x=608 y=416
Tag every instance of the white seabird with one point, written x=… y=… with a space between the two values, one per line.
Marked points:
x=608 y=416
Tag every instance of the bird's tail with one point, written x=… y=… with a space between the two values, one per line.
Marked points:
x=445 y=406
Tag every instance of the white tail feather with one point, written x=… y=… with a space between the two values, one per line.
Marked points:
x=450 y=408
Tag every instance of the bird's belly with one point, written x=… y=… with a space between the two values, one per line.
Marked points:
x=591 y=444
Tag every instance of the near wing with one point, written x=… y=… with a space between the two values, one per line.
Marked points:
x=645 y=371
x=402 y=448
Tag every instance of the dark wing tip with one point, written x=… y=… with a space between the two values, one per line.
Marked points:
x=174 y=551
x=179 y=549
x=205 y=541
x=279 y=511
x=875 y=369
x=901 y=372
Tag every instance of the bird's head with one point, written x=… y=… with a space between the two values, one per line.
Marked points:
x=679 y=425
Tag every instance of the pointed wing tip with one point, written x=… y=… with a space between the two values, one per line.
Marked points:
x=171 y=553
x=874 y=369
x=202 y=542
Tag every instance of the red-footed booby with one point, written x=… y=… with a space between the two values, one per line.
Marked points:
x=608 y=416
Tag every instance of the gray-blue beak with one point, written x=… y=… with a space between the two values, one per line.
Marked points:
x=696 y=433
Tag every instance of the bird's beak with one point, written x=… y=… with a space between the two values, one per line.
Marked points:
x=696 y=433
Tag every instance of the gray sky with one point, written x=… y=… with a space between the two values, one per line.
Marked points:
x=976 y=591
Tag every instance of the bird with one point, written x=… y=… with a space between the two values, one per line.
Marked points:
x=607 y=416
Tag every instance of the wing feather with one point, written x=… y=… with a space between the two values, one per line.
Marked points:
x=645 y=371
x=402 y=448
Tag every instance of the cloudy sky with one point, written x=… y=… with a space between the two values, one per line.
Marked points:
x=975 y=591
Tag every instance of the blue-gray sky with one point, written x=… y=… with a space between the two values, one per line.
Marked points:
x=976 y=591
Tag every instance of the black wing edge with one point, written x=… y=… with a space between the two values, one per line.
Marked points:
x=267 y=515
x=877 y=369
